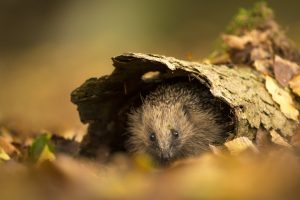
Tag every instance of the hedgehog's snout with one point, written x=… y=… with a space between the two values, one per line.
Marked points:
x=165 y=157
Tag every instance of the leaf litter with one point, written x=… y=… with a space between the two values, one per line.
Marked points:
x=48 y=167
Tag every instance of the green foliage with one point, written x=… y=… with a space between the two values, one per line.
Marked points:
x=41 y=148
x=247 y=19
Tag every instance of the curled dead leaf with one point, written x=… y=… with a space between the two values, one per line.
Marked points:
x=263 y=66
x=294 y=84
x=150 y=75
x=253 y=37
x=3 y=155
x=284 y=70
x=240 y=145
x=283 y=98
x=278 y=139
x=216 y=150
x=236 y=42
x=259 y=53
x=8 y=148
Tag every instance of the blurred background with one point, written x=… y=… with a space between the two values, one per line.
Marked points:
x=50 y=47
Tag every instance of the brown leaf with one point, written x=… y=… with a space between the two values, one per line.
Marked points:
x=254 y=38
x=295 y=84
x=10 y=149
x=150 y=76
x=284 y=70
x=278 y=139
x=263 y=66
x=236 y=42
x=240 y=145
x=259 y=54
x=283 y=98
x=3 y=155
x=216 y=150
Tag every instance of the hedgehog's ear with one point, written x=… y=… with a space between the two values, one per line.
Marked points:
x=186 y=111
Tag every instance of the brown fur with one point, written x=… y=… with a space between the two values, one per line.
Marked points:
x=176 y=107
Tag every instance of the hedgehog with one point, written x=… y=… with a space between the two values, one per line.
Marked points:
x=175 y=121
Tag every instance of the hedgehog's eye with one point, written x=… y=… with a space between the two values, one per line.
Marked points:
x=174 y=133
x=152 y=137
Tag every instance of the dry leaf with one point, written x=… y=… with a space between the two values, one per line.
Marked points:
x=258 y=37
x=150 y=76
x=278 y=139
x=295 y=84
x=236 y=42
x=261 y=59
x=284 y=70
x=6 y=135
x=240 y=145
x=216 y=150
x=263 y=66
x=9 y=148
x=283 y=98
x=254 y=38
x=143 y=162
x=3 y=155
x=259 y=53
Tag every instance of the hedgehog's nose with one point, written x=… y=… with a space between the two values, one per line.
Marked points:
x=165 y=156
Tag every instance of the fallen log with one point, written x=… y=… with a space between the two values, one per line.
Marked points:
x=101 y=101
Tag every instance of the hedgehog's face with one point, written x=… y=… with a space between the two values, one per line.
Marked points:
x=161 y=131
